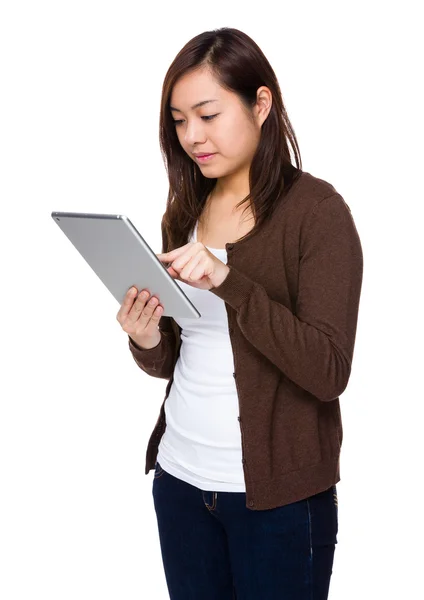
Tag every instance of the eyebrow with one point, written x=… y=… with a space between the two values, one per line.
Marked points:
x=195 y=105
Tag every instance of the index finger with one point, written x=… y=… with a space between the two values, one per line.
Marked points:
x=173 y=254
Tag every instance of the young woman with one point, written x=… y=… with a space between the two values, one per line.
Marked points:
x=246 y=448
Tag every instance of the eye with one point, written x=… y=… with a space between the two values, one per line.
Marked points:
x=206 y=118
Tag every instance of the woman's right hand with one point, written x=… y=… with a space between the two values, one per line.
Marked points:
x=140 y=319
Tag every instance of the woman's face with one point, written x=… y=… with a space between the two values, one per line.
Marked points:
x=220 y=126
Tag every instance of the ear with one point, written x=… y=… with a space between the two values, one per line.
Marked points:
x=263 y=104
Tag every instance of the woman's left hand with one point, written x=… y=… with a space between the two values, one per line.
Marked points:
x=195 y=265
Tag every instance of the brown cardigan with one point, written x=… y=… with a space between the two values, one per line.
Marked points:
x=292 y=298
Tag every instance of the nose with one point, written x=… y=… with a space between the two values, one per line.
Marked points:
x=194 y=133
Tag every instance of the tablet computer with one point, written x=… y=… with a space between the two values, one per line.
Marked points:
x=121 y=257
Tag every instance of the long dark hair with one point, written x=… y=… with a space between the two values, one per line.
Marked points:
x=240 y=66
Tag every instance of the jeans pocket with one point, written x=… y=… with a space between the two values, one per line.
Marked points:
x=336 y=504
x=158 y=471
x=335 y=498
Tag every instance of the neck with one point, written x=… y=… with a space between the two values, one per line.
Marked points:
x=230 y=190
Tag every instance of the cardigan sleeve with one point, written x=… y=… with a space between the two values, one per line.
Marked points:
x=160 y=360
x=314 y=347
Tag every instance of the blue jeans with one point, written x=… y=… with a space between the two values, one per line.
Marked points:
x=215 y=548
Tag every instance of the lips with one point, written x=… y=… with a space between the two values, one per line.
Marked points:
x=204 y=158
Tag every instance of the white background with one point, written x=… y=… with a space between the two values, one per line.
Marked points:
x=80 y=92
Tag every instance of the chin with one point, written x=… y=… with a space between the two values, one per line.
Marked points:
x=209 y=175
x=209 y=172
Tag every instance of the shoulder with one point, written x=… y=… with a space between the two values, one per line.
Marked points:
x=309 y=195
x=310 y=190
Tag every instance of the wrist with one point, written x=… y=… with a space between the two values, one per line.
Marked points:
x=221 y=277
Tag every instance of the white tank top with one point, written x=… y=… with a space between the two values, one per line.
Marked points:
x=202 y=441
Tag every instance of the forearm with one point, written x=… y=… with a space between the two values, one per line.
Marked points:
x=158 y=361
x=314 y=347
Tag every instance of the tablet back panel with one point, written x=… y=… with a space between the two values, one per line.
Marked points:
x=120 y=257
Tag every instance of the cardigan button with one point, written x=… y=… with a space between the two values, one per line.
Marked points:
x=251 y=503
x=230 y=246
